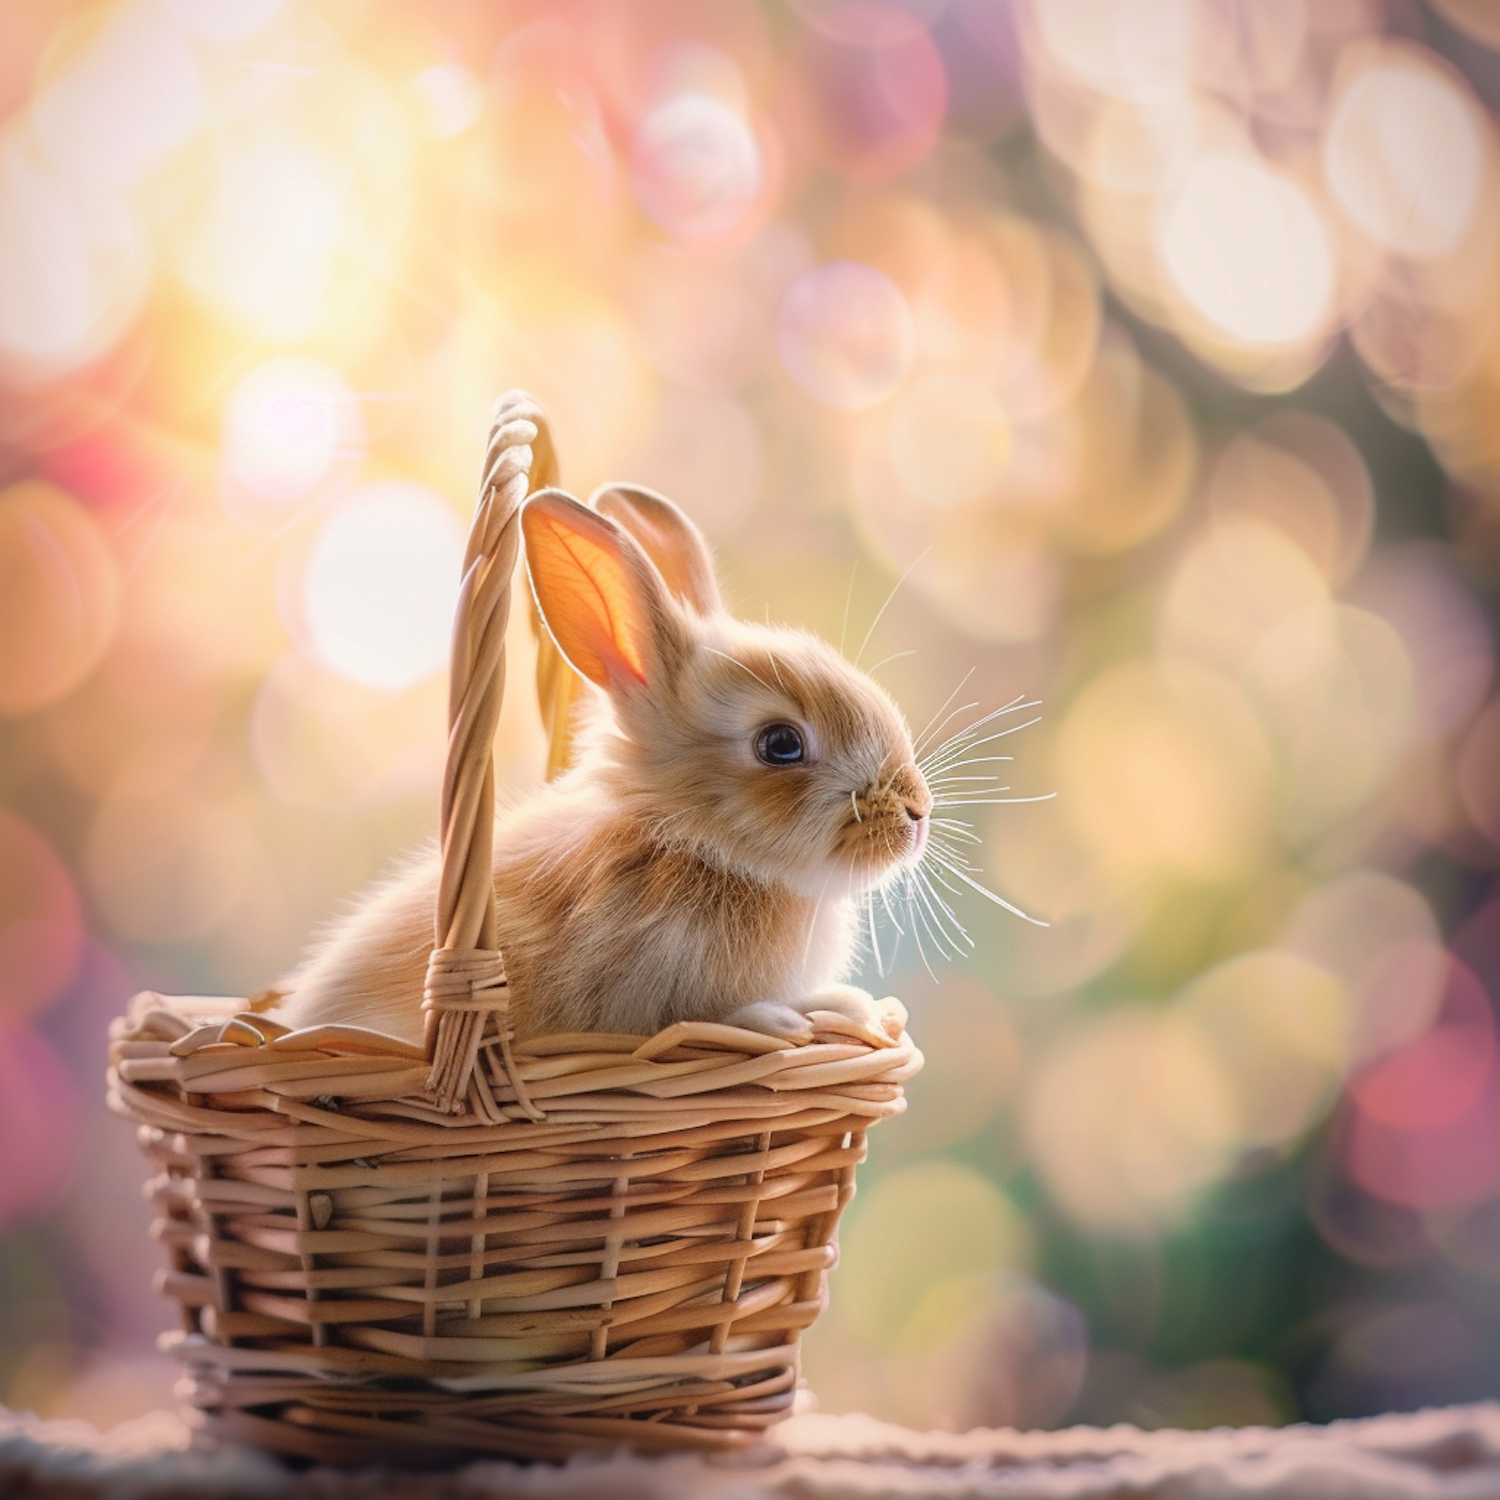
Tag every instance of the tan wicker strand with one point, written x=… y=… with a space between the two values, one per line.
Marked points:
x=384 y=1252
x=464 y=940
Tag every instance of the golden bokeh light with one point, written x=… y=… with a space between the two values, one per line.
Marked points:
x=1238 y=581
x=949 y=440
x=1301 y=475
x=1335 y=689
x=1278 y=1027
x=1165 y=775
x=1129 y=1118
x=59 y=595
x=891 y=1257
x=165 y=861
x=1379 y=938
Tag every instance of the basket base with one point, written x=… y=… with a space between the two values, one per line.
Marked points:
x=421 y=1423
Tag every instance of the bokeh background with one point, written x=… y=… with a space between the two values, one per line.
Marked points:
x=1158 y=339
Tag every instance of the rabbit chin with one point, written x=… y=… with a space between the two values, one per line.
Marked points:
x=852 y=875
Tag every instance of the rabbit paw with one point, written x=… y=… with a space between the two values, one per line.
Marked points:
x=882 y=1021
x=773 y=1018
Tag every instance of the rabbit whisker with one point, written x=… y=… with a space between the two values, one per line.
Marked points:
x=952 y=750
x=812 y=923
x=714 y=651
x=885 y=661
x=885 y=901
x=1015 y=705
x=973 y=760
x=916 y=931
x=985 y=891
x=848 y=600
x=880 y=613
x=955 y=828
x=964 y=799
x=1018 y=704
x=924 y=891
x=932 y=726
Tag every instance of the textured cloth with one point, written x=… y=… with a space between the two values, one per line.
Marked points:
x=1437 y=1455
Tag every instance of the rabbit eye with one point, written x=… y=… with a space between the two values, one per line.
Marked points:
x=780 y=745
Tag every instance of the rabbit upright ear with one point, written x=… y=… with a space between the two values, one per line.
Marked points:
x=599 y=595
x=669 y=539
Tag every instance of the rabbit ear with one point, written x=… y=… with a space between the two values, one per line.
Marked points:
x=669 y=539
x=600 y=597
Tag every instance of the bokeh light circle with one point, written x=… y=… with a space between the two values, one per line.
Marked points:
x=450 y=97
x=74 y=268
x=1404 y=154
x=382 y=583
x=59 y=595
x=873 y=89
x=41 y=1123
x=845 y=335
x=1128 y=1119
x=1116 y=46
x=1250 y=252
x=1278 y=1026
x=1165 y=775
x=41 y=928
x=696 y=167
x=288 y=421
x=950 y=440
x=1425 y=1125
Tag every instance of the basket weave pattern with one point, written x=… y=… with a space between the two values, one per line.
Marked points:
x=386 y=1251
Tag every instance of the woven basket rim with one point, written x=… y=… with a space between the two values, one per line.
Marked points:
x=211 y=1046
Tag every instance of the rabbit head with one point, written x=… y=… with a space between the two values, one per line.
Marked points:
x=760 y=749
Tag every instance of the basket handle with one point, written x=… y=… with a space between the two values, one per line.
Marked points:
x=466 y=1003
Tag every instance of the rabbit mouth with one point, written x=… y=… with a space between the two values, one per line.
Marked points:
x=876 y=847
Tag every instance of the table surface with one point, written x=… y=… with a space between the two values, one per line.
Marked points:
x=1443 y=1454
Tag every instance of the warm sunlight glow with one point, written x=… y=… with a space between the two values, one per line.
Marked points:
x=382 y=580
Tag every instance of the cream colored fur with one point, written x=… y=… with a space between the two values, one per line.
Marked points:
x=670 y=875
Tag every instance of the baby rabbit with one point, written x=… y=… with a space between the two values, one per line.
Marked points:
x=735 y=789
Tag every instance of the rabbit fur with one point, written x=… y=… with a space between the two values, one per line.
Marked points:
x=672 y=873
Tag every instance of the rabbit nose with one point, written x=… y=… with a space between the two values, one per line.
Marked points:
x=911 y=787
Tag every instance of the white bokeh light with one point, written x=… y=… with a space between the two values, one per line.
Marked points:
x=286 y=424
x=450 y=97
x=1119 y=47
x=263 y=245
x=1249 y=252
x=74 y=267
x=845 y=334
x=696 y=167
x=1404 y=156
x=381 y=585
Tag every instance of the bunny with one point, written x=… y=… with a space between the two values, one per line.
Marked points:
x=736 y=789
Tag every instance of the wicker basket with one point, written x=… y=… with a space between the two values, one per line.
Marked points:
x=386 y=1252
